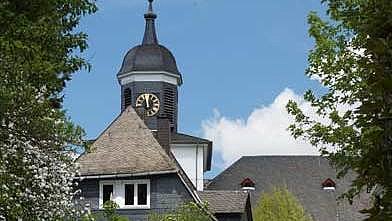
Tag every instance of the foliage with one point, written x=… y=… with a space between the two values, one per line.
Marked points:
x=110 y=214
x=38 y=55
x=279 y=205
x=88 y=217
x=353 y=60
x=188 y=212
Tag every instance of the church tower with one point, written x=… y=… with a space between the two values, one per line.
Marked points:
x=149 y=78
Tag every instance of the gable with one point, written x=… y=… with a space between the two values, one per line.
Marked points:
x=126 y=147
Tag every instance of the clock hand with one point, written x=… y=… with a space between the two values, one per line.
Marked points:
x=147 y=100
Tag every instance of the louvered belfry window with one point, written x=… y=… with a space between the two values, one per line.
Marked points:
x=127 y=97
x=169 y=99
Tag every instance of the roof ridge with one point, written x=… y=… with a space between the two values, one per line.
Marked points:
x=230 y=191
x=127 y=145
x=245 y=156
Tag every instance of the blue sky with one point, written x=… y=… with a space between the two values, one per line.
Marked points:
x=238 y=59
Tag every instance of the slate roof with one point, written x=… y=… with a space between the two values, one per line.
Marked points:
x=302 y=175
x=127 y=146
x=225 y=201
x=149 y=58
x=185 y=138
x=150 y=55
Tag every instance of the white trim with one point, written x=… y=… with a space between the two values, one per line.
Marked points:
x=148 y=72
x=101 y=184
x=192 y=158
x=149 y=76
x=119 y=193
x=248 y=188
x=329 y=188
x=125 y=175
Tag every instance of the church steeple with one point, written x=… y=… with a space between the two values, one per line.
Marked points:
x=149 y=78
x=150 y=36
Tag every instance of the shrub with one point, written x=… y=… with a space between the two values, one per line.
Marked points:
x=280 y=205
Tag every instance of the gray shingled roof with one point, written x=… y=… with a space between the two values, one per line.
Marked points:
x=127 y=146
x=150 y=55
x=225 y=201
x=185 y=138
x=302 y=175
x=149 y=58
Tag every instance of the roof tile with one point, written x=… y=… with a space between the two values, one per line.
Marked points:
x=127 y=146
x=303 y=176
x=225 y=201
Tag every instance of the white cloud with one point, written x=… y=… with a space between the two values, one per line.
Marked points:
x=264 y=132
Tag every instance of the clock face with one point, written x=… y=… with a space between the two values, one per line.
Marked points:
x=150 y=102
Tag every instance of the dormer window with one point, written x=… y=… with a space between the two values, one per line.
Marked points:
x=328 y=184
x=247 y=184
x=128 y=194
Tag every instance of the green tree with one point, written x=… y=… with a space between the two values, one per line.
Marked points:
x=187 y=212
x=39 y=52
x=352 y=58
x=279 y=205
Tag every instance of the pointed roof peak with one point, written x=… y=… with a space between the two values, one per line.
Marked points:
x=150 y=55
x=127 y=146
x=150 y=36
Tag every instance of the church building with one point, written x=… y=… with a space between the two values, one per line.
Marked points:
x=144 y=164
x=141 y=161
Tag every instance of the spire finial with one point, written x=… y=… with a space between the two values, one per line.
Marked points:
x=150 y=36
x=150 y=11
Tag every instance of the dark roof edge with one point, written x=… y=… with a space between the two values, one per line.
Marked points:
x=119 y=175
x=223 y=191
x=194 y=195
x=200 y=140
x=249 y=156
x=190 y=188
x=185 y=179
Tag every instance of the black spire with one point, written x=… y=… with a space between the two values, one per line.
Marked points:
x=150 y=36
